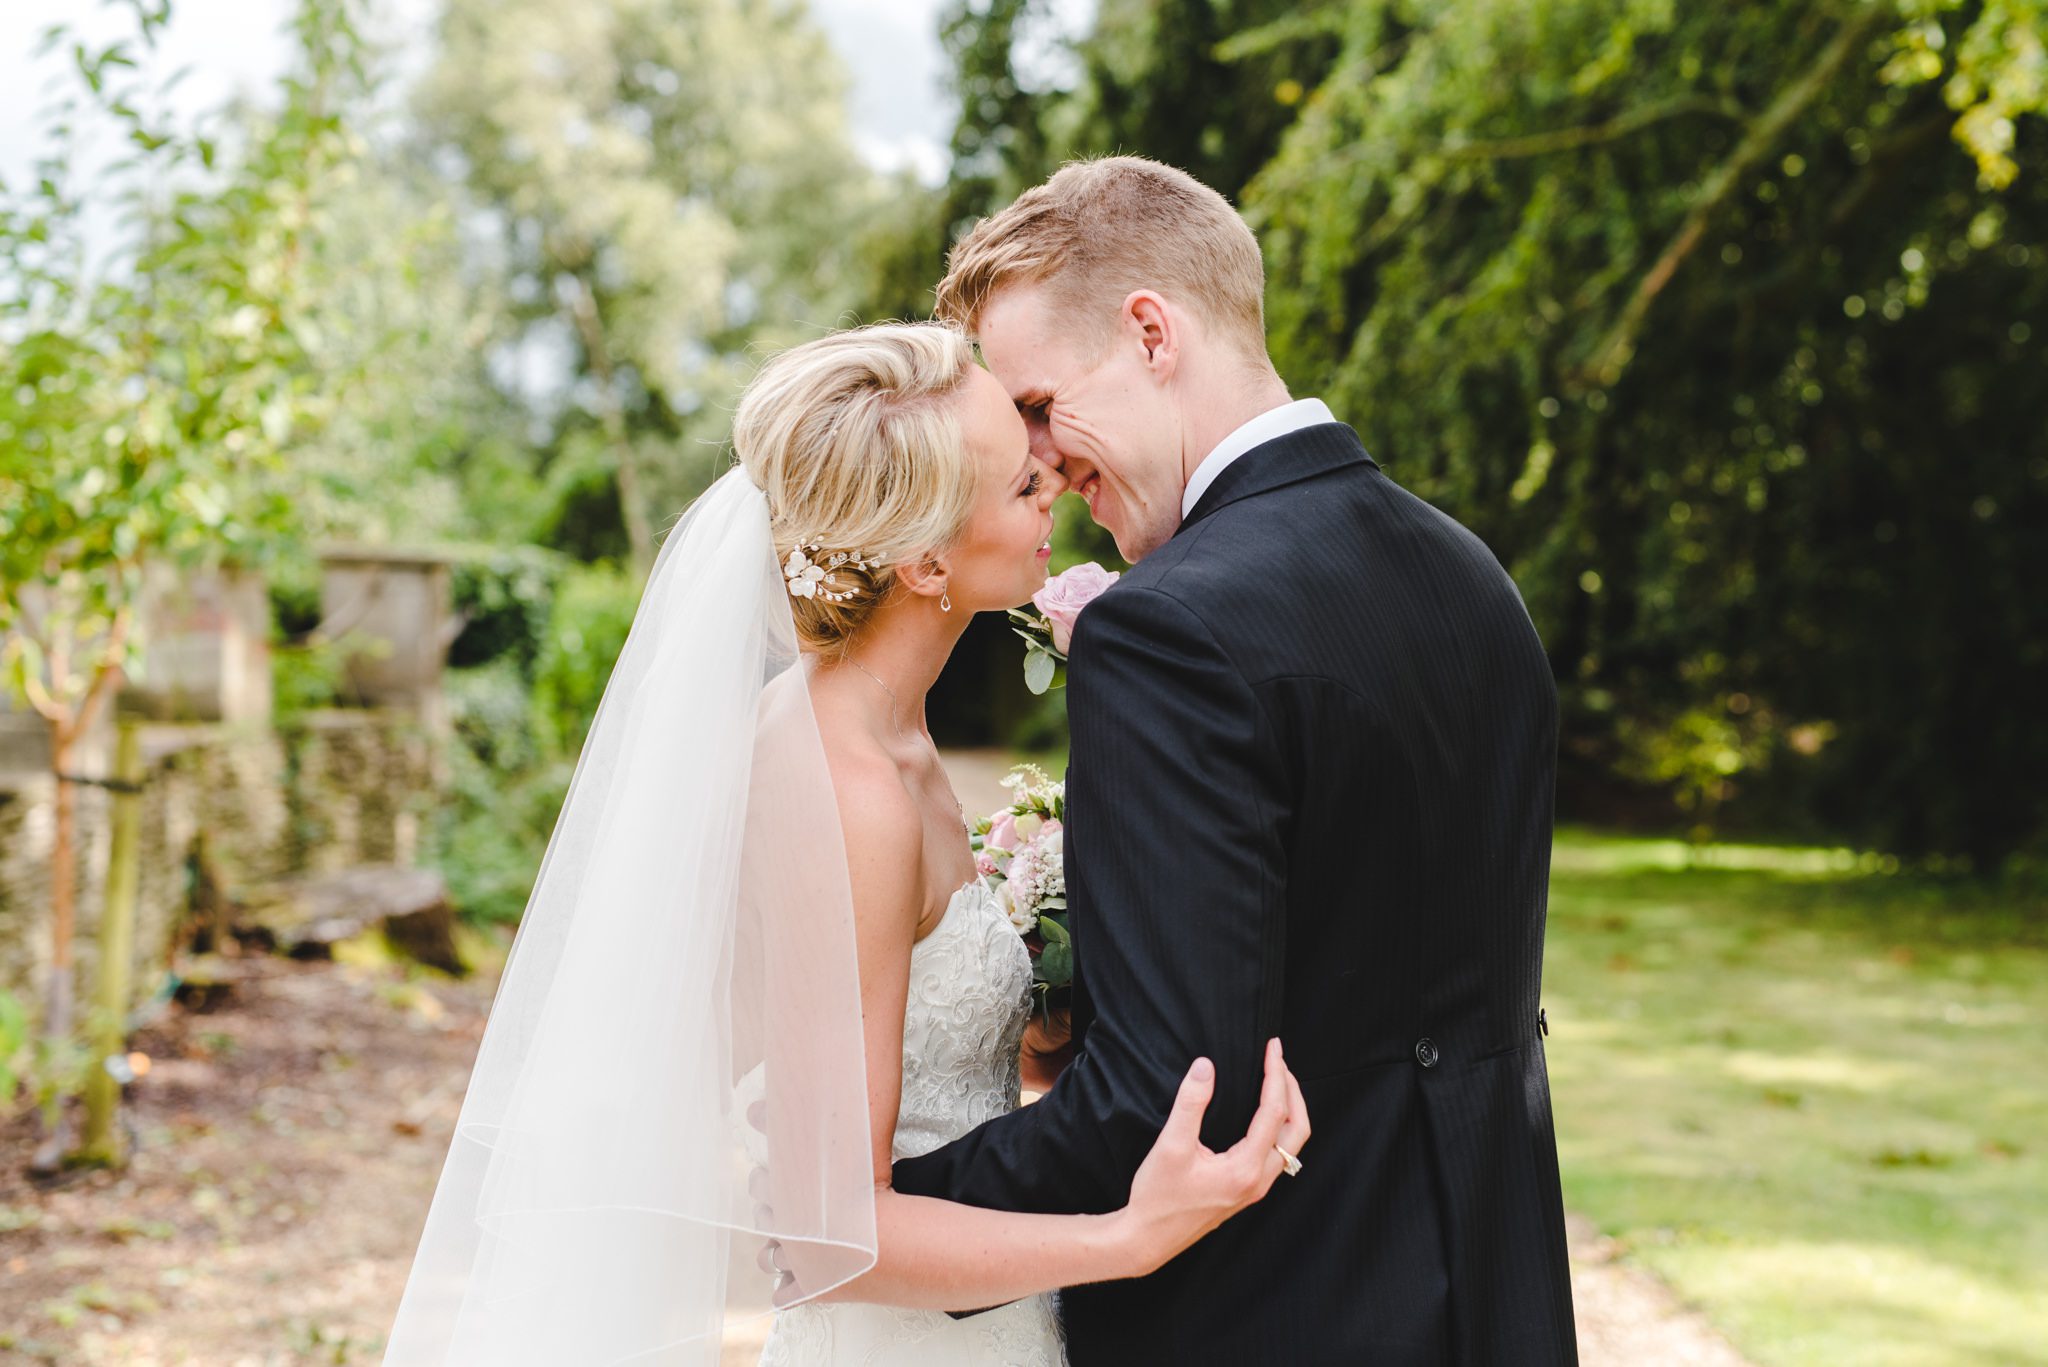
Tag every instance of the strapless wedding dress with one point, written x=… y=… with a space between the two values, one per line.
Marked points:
x=970 y=999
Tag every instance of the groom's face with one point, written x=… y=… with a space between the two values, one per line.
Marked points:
x=1098 y=410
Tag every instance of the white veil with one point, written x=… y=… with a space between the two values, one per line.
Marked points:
x=672 y=1072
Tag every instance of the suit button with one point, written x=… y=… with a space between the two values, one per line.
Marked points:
x=1543 y=1021
x=1426 y=1052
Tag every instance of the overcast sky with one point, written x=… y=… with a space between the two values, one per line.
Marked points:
x=900 y=112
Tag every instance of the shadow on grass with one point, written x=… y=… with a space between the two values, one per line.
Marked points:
x=1808 y=1091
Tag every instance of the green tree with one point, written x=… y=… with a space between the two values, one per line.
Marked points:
x=1206 y=85
x=1720 y=324
x=1690 y=313
x=149 y=395
x=666 y=182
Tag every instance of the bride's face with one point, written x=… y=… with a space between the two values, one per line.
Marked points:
x=1000 y=559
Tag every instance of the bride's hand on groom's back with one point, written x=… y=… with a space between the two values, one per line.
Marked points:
x=1184 y=1189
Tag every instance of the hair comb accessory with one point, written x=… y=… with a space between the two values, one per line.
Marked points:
x=809 y=568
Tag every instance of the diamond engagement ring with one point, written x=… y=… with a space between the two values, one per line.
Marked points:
x=1289 y=1164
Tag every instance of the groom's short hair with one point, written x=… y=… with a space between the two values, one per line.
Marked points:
x=1100 y=229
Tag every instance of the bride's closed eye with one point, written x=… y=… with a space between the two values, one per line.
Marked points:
x=1033 y=484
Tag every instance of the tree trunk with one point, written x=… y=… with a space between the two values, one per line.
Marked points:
x=68 y=726
x=632 y=497
x=102 y=1144
x=64 y=734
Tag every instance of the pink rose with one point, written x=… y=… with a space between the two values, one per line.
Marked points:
x=1003 y=833
x=1064 y=595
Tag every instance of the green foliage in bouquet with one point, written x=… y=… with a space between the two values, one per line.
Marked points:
x=1042 y=658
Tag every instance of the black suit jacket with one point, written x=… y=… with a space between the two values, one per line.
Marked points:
x=1314 y=747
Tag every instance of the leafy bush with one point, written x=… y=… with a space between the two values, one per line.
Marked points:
x=14 y=1039
x=594 y=607
x=502 y=794
x=505 y=595
x=303 y=678
x=491 y=715
x=490 y=832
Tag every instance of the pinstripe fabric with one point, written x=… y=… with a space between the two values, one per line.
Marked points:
x=1314 y=754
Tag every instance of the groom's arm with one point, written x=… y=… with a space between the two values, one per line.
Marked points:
x=1175 y=867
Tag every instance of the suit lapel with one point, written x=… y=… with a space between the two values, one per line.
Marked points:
x=1288 y=459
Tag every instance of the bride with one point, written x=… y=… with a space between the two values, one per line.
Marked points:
x=757 y=966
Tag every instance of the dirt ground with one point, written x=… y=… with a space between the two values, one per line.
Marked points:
x=288 y=1144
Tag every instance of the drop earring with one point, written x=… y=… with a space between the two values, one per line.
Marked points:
x=945 y=602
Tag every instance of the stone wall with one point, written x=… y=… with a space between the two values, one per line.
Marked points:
x=327 y=791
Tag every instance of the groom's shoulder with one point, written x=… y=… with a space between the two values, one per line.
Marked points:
x=1207 y=579
x=1264 y=545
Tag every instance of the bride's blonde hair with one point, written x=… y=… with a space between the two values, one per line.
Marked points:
x=855 y=439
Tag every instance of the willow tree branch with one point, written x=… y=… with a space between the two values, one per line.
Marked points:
x=1620 y=126
x=1612 y=355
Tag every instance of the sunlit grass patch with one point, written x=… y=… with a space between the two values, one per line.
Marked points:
x=1907 y=1309
x=1811 y=1091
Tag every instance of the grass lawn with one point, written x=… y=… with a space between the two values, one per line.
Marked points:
x=1811 y=1096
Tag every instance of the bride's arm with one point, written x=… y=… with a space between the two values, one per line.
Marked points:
x=940 y=1255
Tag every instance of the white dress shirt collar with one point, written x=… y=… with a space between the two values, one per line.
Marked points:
x=1274 y=422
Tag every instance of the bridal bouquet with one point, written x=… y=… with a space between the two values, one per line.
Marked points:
x=1048 y=632
x=1018 y=852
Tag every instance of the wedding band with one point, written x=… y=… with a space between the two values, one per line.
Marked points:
x=1289 y=1164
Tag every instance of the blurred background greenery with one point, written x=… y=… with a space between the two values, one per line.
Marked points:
x=1726 y=327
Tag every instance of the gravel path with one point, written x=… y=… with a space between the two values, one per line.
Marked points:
x=1627 y=1317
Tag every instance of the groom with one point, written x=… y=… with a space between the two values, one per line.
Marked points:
x=1313 y=755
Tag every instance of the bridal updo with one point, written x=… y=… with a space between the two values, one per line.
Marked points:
x=855 y=439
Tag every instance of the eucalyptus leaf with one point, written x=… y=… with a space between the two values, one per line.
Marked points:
x=1038 y=671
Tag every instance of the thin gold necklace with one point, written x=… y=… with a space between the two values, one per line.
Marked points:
x=893 y=705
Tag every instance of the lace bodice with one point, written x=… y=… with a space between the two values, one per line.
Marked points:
x=970 y=998
x=969 y=1001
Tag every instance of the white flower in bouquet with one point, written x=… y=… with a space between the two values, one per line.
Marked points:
x=1021 y=917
